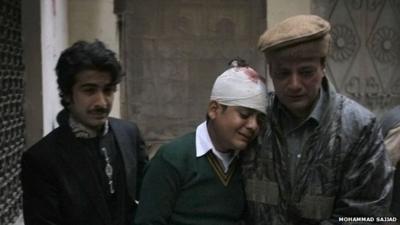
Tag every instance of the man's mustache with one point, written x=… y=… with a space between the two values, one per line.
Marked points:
x=99 y=110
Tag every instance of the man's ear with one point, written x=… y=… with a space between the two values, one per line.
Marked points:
x=212 y=111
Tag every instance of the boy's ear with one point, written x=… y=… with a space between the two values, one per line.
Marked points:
x=212 y=109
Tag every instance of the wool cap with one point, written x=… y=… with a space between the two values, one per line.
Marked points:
x=240 y=86
x=297 y=36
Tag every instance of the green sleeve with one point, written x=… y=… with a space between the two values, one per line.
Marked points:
x=159 y=191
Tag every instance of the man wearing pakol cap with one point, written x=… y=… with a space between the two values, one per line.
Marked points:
x=322 y=157
x=196 y=179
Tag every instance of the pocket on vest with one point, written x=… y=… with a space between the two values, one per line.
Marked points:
x=316 y=207
x=262 y=191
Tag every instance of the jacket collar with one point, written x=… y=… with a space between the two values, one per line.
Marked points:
x=125 y=143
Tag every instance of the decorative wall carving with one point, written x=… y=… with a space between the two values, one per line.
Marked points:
x=384 y=45
x=365 y=60
x=344 y=43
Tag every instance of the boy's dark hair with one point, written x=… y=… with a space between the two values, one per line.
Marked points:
x=238 y=62
x=224 y=107
x=83 y=56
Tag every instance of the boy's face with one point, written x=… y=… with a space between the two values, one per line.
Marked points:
x=91 y=98
x=233 y=127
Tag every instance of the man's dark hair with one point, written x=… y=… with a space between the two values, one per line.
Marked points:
x=238 y=62
x=83 y=56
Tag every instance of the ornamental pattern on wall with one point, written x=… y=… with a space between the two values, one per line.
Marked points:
x=365 y=54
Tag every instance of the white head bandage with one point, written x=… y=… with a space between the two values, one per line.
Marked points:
x=240 y=86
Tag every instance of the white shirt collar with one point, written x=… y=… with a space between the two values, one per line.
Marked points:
x=203 y=140
x=204 y=145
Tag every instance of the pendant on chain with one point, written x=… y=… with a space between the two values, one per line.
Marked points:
x=108 y=170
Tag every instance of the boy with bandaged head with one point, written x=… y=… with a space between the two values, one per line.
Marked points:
x=195 y=179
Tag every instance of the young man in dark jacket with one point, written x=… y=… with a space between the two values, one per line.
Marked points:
x=86 y=171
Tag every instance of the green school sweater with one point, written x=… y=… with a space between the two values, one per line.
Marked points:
x=181 y=189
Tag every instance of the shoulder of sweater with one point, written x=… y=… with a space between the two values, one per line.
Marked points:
x=182 y=148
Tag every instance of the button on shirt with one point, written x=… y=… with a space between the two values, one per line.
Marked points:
x=296 y=134
x=204 y=145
